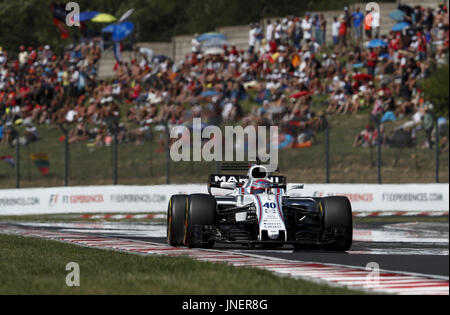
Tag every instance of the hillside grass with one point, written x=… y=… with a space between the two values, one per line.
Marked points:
x=144 y=165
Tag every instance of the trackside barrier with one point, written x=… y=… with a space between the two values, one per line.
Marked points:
x=151 y=199
x=98 y=199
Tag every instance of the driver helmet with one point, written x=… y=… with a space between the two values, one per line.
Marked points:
x=259 y=186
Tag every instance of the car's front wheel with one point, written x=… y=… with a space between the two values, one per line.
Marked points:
x=337 y=223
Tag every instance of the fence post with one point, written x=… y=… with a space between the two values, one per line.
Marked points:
x=151 y=153
x=327 y=151
x=66 y=159
x=114 y=147
x=437 y=150
x=17 y=160
x=379 y=162
x=66 y=155
x=167 y=145
x=379 y=159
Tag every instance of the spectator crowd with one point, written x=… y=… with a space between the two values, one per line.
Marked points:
x=291 y=76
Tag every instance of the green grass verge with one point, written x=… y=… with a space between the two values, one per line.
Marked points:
x=35 y=266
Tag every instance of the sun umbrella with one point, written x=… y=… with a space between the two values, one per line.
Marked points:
x=122 y=30
x=362 y=77
x=217 y=42
x=358 y=65
x=126 y=15
x=400 y=26
x=88 y=15
x=300 y=94
x=104 y=18
x=376 y=43
x=397 y=15
x=209 y=93
x=406 y=8
x=109 y=28
x=147 y=52
x=214 y=51
x=211 y=36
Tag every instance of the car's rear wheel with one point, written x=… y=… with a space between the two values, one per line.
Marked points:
x=176 y=215
x=337 y=223
x=201 y=213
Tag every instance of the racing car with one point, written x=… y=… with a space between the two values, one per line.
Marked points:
x=258 y=211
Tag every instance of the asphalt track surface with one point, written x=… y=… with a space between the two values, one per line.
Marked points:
x=426 y=264
x=418 y=248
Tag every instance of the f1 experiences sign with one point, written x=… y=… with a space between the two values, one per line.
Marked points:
x=99 y=199
x=148 y=199
x=414 y=197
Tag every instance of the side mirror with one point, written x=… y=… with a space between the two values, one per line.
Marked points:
x=230 y=186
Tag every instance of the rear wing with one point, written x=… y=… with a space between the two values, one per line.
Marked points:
x=215 y=181
x=229 y=167
x=226 y=167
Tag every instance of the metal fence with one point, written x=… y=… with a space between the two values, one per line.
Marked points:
x=332 y=158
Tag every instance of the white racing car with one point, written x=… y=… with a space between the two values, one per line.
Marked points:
x=258 y=212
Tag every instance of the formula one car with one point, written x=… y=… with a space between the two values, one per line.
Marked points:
x=259 y=213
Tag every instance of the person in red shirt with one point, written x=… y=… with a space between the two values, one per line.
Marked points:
x=343 y=35
x=394 y=44
x=422 y=46
x=372 y=58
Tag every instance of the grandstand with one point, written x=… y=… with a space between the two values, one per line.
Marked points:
x=238 y=35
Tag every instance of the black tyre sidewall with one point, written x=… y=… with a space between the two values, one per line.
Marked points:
x=338 y=214
x=201 y=210
x=175 y=220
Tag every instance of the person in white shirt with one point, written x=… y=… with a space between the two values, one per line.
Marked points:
x=23 y=56
x=269 y=31
x=258 y=36
x=376 y=23
x=252 y=38
x=195 y=44
x=335 y=30
x=307 y=27
x=70 y=116
x=278 y=30
x=2 y=57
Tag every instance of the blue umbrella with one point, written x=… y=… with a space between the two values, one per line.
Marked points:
x=397 y=15
x=88 y=15
x=122 y=30
x=109 y=29
x=400 y=26
x=376 y=43
x=217 y=42
x=119 y=31
x=211 y=36
x=210 y=93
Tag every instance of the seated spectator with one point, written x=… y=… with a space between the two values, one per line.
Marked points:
x=79 y=134
x=366 y=137
x=30 y=133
